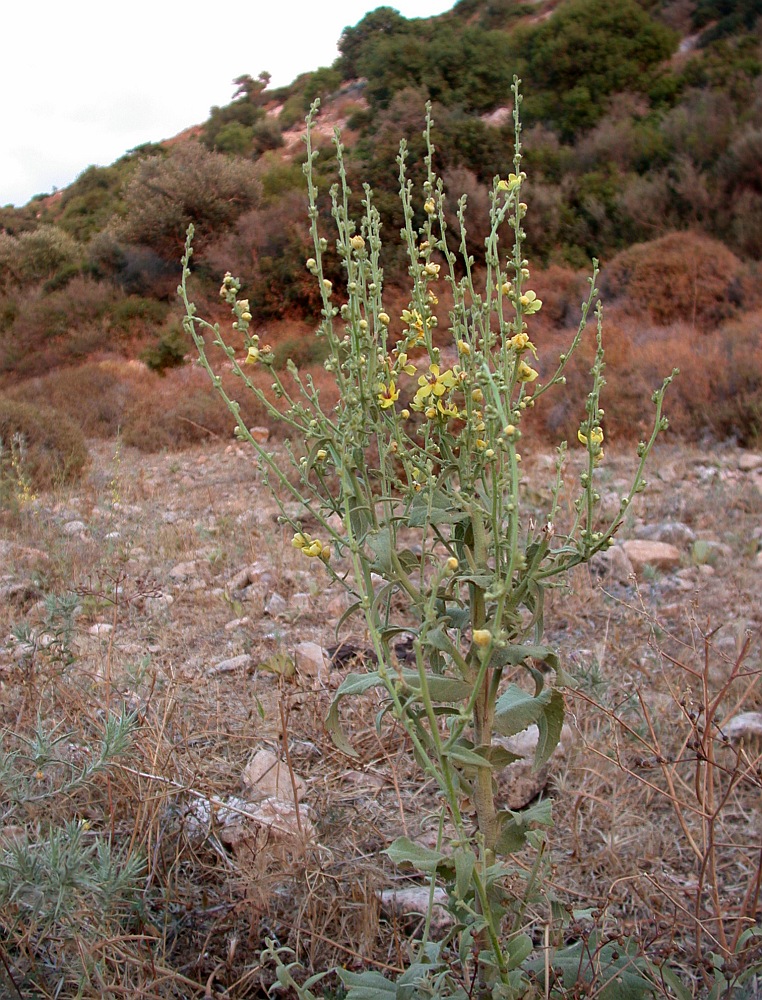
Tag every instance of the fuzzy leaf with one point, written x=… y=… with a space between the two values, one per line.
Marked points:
x=380 y=544
x=367 y=985
x=351 y=685
x=549 y=724
x=614 y=978
x=515 y=710
x=515 y=825
x=440 y=688
x=406 y=851
x=465 y=862
x=434 y=508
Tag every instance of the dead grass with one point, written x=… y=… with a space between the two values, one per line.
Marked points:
x=619 y=846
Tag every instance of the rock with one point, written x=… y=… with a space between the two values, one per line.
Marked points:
x=659 y=555
x=709 y=551
x=231 y=626
x=260 y=434
x=156 y=605
x=749 y=461
x=100 y=628
x=74 y=528
x=267 y=775
x=414 y=901
x=312 y=662
x=519 y=783
x=747 y=725
x=613 y=564
x=19 y=593
x=230 y=666
x=255 y=573
x=184 y=570
x=673 y=532
x=252 y=826
x=276 y=605
x=300 y=602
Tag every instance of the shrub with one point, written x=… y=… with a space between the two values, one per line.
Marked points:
x=51 y=447
x=190 y=183
x=38 y=254
x=168 y=351
x=682 y=276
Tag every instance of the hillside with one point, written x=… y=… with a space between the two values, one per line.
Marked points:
x=642 y=123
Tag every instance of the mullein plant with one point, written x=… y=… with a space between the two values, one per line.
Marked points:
x=414 y=480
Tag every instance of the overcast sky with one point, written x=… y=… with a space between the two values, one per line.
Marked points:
x=83 y=81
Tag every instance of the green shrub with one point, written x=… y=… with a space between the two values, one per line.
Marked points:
x=50 y=446
x=168 y=351
x=190 y=183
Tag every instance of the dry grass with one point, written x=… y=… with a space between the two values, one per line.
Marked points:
x=621 y=846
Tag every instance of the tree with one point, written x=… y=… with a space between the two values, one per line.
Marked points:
x=190 y=185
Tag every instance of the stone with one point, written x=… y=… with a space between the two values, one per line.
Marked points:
x=230 y=666
x=276 y=605
x=673 y=532
x=312 y=662
x=612 y=565
x=74 y=528
x=100 y=628
x=746 y=726
x=260 y=434
x=414 y=901
x=184 y=570
x=750 y=461
x=156 y=605
x=659 y=555
x=519 y=783
x=267 y=775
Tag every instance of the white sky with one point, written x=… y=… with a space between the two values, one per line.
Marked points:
x=83 y=81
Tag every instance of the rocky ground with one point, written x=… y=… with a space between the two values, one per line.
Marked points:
x=189 y=605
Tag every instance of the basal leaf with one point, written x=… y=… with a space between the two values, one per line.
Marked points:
x=367 y=985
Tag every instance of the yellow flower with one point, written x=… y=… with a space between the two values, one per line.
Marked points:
x=311 y=547
x=596 y=440
x=521 y=342
x=530 y=303
x=525 y=373
x=596 y=436
x=447 y=409
x=435 y=383
x=383 y=319
x=253 y=355
x=416 y=323
x=513 y=182
x=430 y=207
x=404 y=365
x=463 y=348
x=431 y=270
x=357 y=243
x=388 y=395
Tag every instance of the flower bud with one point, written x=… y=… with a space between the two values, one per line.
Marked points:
x=482 y=636
x=357 y=243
